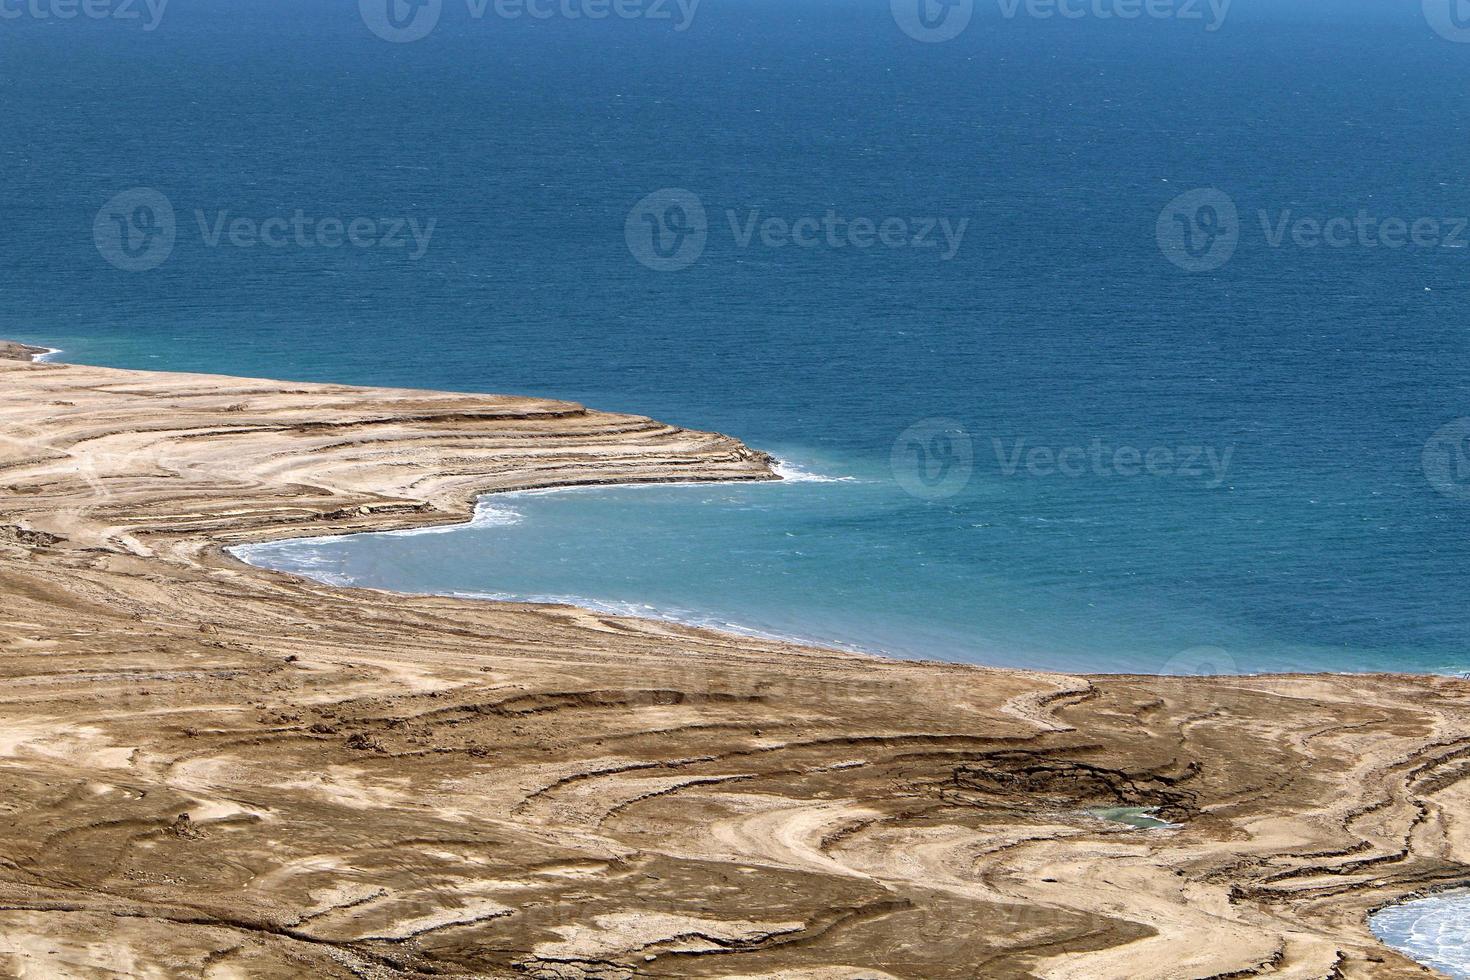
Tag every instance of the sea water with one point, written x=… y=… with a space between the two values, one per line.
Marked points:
x=1043 y=436
x=1434 y=931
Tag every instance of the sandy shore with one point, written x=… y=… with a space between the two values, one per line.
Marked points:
x=207 y=770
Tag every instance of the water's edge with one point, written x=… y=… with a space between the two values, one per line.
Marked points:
x=1431 y=928
x=1396 y=925
x=257 y=554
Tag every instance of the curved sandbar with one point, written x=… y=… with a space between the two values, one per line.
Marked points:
x=211 y=770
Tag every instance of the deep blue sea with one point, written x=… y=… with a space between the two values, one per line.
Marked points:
x=1104 y=343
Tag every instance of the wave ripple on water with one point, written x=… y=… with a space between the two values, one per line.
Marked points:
x=1434 y=931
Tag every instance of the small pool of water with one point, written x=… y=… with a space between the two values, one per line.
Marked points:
x=1140 y=817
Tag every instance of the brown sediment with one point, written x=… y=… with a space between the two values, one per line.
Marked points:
x=209 y=770
x=20 y=352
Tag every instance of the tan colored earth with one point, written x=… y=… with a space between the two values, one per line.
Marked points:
x=208 y=770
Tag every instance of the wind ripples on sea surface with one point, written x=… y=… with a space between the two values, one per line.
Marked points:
x=1434 y=931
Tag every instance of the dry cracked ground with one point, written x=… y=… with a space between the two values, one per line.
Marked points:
x=207 y=770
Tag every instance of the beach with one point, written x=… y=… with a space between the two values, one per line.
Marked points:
x=214 y=770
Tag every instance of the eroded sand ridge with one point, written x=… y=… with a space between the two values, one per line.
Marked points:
x=211 y=770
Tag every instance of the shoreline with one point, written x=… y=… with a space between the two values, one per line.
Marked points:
x=1410 y=945
x=778 y=470
x=483 y=503
x=205 y=762
x=10 y=350
x=1436 y=891
x=782 y=471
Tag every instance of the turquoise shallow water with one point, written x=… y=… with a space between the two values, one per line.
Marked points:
x=1057 y=447
x=1137 y=817
x=815 y=559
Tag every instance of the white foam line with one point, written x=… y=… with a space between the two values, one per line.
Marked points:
x=489 y=513
x=1430 y=930
x=45 y=358
x=486 y=514
x=792 y=473
x=638 y=610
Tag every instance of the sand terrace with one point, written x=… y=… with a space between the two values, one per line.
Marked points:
x=213 y=771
